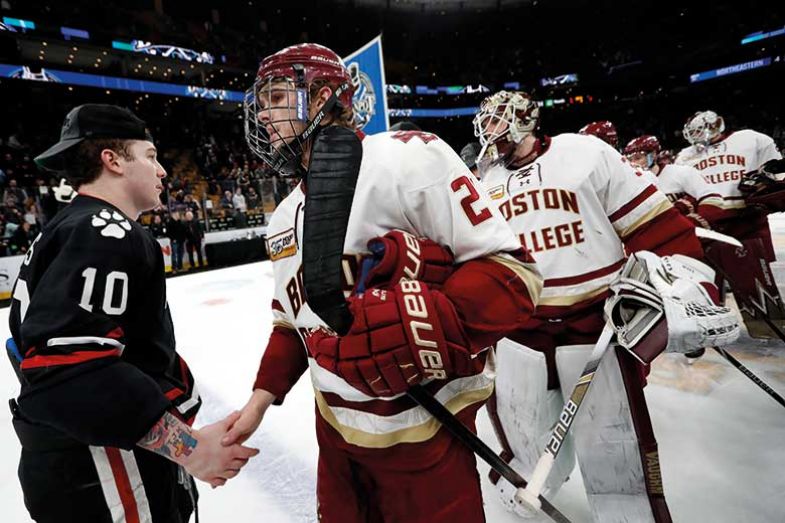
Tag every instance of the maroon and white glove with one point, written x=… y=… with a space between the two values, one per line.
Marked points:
x=402 y=255
x=399 y=337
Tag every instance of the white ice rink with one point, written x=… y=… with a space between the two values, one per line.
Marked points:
x=721 y=439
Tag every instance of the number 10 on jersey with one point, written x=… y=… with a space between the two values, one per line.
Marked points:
x=109 y=304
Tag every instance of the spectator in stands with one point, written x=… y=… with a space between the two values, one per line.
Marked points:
x=13 y=196
x=243 y=179
x=226 y=201
x=190 y=204
x=157 y=227
x=175 y=230
x=253 y=199
x=238 y=200
x=31 y=215
x=21 y=239
x=194 y=234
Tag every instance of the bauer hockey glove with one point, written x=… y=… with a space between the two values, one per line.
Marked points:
x=399 y=337
x=400 y=255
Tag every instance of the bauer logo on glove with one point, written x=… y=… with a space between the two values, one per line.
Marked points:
x=399 y=337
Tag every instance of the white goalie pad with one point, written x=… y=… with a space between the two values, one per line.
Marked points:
x=605 y=441
x=650 y=287
x=527 y=412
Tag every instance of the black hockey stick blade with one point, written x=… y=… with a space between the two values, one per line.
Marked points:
x=751 y=375
x=478 y=446
x=332 y=176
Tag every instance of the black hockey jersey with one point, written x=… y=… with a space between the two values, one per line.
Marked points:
x=91 y=322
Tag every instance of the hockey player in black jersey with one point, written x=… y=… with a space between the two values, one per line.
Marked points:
x=106 y=403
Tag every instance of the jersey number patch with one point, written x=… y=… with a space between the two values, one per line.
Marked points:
x=466 y=202
x=112 y=279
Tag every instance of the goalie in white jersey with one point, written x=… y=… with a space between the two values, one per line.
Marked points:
x=382 y=458
x=580 y=209
x=727 y=160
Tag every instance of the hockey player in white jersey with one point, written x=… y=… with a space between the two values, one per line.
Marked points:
x=382 y=458
x=724 y=159
x=579 y=208
x=684 y=186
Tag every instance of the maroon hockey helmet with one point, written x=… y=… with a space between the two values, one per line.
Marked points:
x=604 y=130
x=277 y=123
x=643 y=144
x=642 y=151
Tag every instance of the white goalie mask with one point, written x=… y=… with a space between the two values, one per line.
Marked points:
x=503 y=121
x=703 y=127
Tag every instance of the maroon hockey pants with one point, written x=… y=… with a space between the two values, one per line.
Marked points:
x=356 y=489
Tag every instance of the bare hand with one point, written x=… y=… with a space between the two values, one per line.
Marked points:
x=249 y=419
x=213 y=462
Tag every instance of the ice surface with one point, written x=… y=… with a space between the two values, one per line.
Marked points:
x=721 y=439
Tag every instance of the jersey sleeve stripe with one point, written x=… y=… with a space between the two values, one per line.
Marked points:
x=584 y=277
x=277 y=322
x=652 y=213
x=82 y=340
x=52 y=360
x=526 y=273
x=628 y=207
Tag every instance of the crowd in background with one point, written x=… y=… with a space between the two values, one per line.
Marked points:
x=635 y=77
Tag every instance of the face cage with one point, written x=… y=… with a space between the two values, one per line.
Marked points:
x=281 y=153
x=701 y=131
x=649 y=156
x=497 y=145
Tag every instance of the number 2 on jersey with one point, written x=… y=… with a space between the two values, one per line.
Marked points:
x=466 y=202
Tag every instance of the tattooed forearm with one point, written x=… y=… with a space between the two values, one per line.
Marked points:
x=169 y=437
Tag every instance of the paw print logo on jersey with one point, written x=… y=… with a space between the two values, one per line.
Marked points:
x=112 y=224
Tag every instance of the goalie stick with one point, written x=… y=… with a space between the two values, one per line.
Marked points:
x=478 y=446
x=529 y=497
x=427 y=401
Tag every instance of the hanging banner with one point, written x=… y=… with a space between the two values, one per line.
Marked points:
x=366 y=66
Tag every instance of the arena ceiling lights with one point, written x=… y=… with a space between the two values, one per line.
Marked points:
x=165 y=51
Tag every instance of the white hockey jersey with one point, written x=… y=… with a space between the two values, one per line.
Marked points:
x=724 y=163
x=678 y=181
x=415 y=182
x=571 y=208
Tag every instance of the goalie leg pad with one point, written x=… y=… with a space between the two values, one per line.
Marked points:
x=614 y=442
x=525 y=413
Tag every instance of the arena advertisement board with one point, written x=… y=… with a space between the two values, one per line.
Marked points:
x=366 y=66
x=9 y=270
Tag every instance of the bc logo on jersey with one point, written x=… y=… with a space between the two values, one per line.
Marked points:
x=364 y=99
x=282 y=245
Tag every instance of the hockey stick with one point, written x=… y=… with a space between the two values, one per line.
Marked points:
x=747 y=372
x=529 y=497
x=478 y=446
